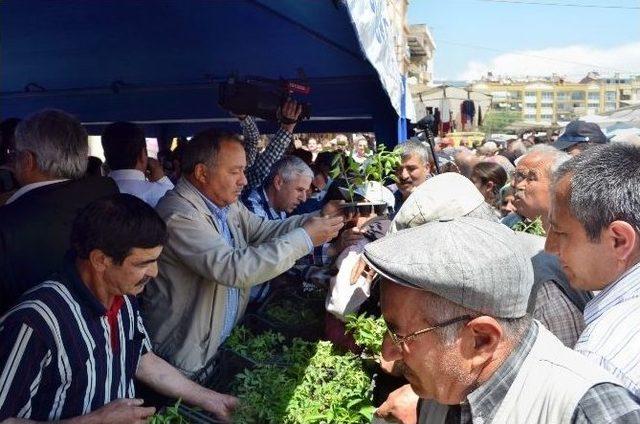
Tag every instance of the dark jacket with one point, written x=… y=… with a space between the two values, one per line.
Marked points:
x=35 y=230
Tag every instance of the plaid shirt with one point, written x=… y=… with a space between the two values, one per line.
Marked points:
x=556 y=312
x=603 y=403
x=259 y=166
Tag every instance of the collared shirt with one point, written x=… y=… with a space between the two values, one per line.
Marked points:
x=24 y=190
x=612 y=334
x=134 y=182
x=259 y=166
x=258 y=203
x=556 y=311
x=233 y=293
x=603 y=403
x=58 y=358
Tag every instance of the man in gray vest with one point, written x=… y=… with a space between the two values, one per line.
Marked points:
x=457 y=318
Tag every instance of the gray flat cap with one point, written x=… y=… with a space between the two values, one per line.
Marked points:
x=472 y=262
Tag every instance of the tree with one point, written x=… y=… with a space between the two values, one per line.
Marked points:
x=497 y=120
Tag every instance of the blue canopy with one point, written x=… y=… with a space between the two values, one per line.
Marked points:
x=158 y=62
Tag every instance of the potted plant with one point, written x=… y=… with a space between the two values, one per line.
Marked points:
x=380 y=166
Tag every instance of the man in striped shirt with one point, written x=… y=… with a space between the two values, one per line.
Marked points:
x=595 y=231
x=73 y=344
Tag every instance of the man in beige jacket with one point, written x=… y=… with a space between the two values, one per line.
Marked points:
x=216 y=251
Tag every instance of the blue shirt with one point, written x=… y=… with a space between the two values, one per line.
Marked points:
x=233 y=293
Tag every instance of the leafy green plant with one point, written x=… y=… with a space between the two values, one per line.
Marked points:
x=382 y=165
x=288 y=311
x=170 y=415
x=321 y=386
x=264 y=347
x=378 y=167
x=367 y=331
x=531 y=227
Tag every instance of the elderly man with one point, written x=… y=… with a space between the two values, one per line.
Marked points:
x=457 y=319
x=73 y=345
x=553 y=301
x=531 y=183
x=125 y=151
x=284 y=189
x=414 y=169
x=51 y=159
x=595 y=231
x=216 y=251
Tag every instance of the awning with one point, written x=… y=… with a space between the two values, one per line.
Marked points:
x=158 y=63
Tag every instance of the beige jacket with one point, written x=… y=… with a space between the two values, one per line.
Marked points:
x=184 y=307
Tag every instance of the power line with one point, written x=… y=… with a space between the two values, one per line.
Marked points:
x=587 y=6
x=589 y=65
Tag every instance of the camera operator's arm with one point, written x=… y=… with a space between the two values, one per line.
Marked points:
x=276 y=147
x=251 y=135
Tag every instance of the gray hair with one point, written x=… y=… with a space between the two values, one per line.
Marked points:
x=518 y=147
x=58 y=141
x=445 y=310
x=605 y=187
x=555 y=157
x=415 y=148
x=289 y=168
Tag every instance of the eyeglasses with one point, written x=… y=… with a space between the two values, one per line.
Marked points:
x=398 y=341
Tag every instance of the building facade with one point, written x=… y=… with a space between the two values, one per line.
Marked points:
x=554 y=99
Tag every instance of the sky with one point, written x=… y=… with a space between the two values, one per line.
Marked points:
x=509 y=37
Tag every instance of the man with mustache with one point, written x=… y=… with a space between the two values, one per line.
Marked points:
x=414 y=169
x=457 y=318
x=74 y=344
x=531 y=183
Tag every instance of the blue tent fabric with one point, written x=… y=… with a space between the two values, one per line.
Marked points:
x=159 y=62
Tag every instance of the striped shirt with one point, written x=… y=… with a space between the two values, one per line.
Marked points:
x=57 y=356
x=612 y=334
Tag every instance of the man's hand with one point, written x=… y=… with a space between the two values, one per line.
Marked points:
x=401 y=405
x=291 y=111
x=125 y=411
x=220 y=404
x=347 y=238
x=155 y=169
x=323 y=229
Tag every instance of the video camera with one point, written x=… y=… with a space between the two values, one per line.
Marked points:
x=261 y=97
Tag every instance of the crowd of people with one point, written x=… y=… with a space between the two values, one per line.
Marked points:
x=508 y=276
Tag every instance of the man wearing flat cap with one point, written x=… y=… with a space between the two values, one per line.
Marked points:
x=457 y=318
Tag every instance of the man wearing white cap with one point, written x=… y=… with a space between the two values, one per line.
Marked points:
x=457 y=318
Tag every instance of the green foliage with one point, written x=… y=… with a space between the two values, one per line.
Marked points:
x=259 y=348
x=378 y=167
x=367 y=331
x=496 y=121
x=171 y=415
x=531 y=227
x=288 y=311
x=321 y=386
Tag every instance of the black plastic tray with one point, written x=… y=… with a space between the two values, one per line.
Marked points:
x=310 y=329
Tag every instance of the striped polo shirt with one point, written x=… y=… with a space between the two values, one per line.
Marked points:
x=59 y=355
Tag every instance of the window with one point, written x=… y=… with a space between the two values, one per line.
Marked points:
x=594 y=96
x=610 y=96
x=594 y=105
x=577 y=95
x=547 y=96
x=562 y=96
x=530 y=116
x=530 y=94
x=546 y=117
x=530 y=105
